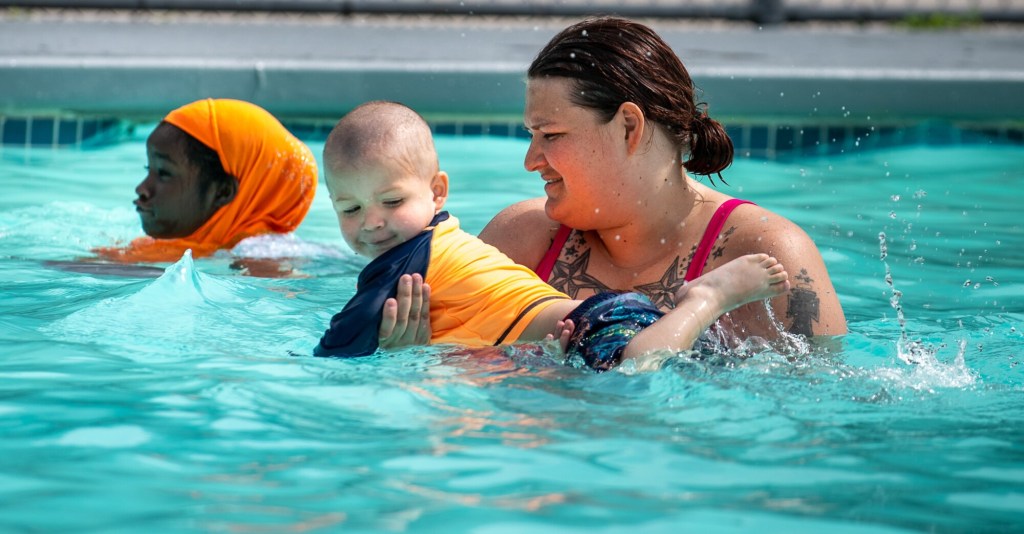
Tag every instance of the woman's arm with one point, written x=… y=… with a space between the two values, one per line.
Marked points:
x=811 y=307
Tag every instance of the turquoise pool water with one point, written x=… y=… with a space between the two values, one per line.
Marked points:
x=188 y=402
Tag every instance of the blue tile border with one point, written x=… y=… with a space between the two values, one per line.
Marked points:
x=758 y=140
x=30 y=131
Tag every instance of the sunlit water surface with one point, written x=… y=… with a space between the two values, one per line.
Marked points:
x=190 y=402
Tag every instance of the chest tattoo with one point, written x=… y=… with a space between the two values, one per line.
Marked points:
x=570 y=277
x=570 y=274
x=663 y=292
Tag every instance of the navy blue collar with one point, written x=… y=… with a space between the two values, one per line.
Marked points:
x=354 y=330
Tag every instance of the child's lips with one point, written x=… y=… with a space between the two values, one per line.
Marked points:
x=380 y=243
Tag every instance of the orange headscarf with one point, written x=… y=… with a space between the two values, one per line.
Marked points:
x=276 y=174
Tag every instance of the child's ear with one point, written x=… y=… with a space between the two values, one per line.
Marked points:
x=439 y=187
x=226 y=192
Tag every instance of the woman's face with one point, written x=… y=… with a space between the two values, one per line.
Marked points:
x=171 y=203
x=579 y=157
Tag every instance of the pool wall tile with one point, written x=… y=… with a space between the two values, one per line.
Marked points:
x=760 y=140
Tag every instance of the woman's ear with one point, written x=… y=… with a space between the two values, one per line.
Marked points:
x=439 y=187
x=634 y=124
x=226 y=191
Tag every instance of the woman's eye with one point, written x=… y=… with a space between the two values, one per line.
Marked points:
x=550 y=136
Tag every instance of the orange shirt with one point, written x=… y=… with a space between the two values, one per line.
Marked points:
x=478 y=296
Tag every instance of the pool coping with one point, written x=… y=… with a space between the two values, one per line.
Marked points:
x=141 y=65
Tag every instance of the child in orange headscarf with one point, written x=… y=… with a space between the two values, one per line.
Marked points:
x=219 y=171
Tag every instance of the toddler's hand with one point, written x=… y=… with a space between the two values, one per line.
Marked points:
x=406 y=318
x=563 y=331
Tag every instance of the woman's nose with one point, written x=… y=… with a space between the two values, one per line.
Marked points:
x=534 y=158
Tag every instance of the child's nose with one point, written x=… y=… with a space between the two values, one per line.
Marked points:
x=373 y=220
x=143 y=190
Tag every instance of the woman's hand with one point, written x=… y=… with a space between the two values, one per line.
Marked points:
x=406 y=318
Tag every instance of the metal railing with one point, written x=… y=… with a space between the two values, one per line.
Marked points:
x=925 y=12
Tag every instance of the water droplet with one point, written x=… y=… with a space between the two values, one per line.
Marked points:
x=584 y=33
x=967 y=283
x=782 y=94
x=895 y=198
x=617 y=237
x=572 y=55
x=892 y=214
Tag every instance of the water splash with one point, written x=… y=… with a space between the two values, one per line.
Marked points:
x=906 y=350
x=274 y=246
x=172 y=311
x=928 y=372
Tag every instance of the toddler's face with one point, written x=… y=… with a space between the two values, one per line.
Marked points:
x=382 y=206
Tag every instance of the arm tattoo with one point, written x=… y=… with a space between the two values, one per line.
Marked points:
x=803 y=305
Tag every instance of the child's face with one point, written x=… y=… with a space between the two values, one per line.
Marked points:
x=383 y=205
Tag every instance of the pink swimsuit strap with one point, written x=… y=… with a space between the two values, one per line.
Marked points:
x=707 y=241
x=700 y=256
x=547 y=263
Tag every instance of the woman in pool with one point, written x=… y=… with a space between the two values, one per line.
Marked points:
x=616 y=134
x=219 y=171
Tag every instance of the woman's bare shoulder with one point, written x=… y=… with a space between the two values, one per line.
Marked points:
x=758 y=228
x=812 y=307
x=522 y=231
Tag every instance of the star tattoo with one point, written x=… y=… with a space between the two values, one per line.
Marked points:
x=571 y=277
x=663 y=292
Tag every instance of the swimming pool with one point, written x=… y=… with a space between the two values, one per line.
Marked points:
x=190 y=402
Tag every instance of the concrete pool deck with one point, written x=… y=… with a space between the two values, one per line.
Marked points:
x=133 y=64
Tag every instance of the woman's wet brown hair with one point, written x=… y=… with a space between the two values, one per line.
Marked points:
x=612 y=60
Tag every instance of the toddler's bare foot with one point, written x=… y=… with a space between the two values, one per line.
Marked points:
x=745 y=279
